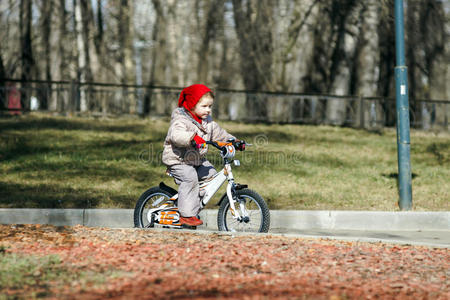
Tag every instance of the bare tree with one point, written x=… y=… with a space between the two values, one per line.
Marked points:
x=214 y=17
x=160 y=42
x=296 y=23
x=323 y=47
x=100 y=32
x=83 y=55
x=83 y=16
x=412 y=11
x=432 y=20
x=26 y=49
x=364 y=62
x=2 y=74
x=423 y=17
x=2 y=70
x=46 y=20
x=386 y=49
x=253 y=23
x=329 y=69
x=125 y=36
x=433 y=66
x=57 y=101
x=254 y=20
x=2 y=82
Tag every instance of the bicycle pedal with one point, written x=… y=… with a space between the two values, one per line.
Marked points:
x=170 y=226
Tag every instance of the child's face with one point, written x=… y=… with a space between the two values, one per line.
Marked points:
x=203 y=107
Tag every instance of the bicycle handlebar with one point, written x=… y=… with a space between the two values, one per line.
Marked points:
x=221 y=145
x=214 y=144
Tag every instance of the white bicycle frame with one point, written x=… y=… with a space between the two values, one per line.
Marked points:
x=209 y=188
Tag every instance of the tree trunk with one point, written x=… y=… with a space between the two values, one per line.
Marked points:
x=386 y=48
x=84 y=69
x=128 y=70
x=101 y=72
x=99 y=35
x=253 y=28
x=432 y=19
x=46 y=89
x=412 y=63
x=339 y=80
x=3 y=101
x=27 y=51
x=59 y=101
x=214 y=12
x=176 y=72
x=90 y=35
x=158 y=29
x=255 y=42
x=329 y=70
x=365 y=72
x=99 y=45
x=287 y=55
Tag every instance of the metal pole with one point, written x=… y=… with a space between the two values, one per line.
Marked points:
x=401 y=93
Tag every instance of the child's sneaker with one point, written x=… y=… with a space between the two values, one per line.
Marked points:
x=191 y=221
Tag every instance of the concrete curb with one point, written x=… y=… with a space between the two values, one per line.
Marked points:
x=298 y=220
x=362 y=220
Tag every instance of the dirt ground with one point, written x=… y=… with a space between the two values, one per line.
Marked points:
x=155 y=264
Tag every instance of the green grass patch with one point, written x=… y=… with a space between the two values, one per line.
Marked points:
x=30 y=276
x=56 y=162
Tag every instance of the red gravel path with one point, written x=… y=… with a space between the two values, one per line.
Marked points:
x=166 y=265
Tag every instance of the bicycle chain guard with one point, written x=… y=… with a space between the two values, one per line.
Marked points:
x=168 y=217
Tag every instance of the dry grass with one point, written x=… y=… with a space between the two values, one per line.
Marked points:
x=80 y=162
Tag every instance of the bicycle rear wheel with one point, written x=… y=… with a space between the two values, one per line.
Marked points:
x=150 y=199
x=258 y=212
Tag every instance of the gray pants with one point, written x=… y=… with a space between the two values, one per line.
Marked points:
x=187 y=177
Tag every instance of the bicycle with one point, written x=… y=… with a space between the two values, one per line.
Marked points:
x=240 y=208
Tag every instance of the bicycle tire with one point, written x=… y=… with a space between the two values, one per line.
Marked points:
x=264 y=223
x=143 y=201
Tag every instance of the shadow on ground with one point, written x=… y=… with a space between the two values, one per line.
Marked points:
x=66 y=124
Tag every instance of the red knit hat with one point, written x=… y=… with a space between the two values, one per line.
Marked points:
x=191 y=95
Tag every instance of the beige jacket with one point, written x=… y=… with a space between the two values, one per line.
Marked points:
x=183 y=128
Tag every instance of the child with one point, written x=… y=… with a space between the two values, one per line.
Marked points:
x=185 y=148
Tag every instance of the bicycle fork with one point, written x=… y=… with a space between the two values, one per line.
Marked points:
x=232 y=198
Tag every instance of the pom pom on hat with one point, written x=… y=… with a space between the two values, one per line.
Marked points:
x=190 y=95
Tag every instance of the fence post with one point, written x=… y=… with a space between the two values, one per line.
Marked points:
x=73 y=96
x=446 y=118
x=361 y=112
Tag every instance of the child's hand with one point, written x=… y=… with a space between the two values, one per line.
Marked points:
x=240 y=145
x=198 y=143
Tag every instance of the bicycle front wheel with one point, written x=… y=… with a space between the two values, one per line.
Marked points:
x=258 y=213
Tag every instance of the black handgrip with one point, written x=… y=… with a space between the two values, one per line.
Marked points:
x=240 y=145
x=214 y=144
x=222 y=149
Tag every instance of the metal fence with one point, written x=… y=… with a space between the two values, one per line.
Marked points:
x=111 y=99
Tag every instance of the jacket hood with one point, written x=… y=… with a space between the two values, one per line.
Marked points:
x=190 y=95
